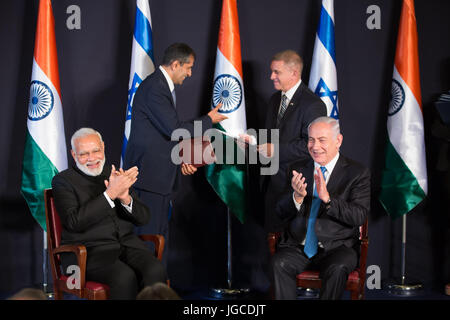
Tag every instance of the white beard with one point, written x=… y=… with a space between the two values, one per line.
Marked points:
x=91 y=172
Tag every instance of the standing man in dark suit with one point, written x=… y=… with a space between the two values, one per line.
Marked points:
x=98 y=209
x=291 y=109
x=149 y=147
x=328 y=202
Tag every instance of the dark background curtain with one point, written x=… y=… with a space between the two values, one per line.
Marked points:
x=94 y=67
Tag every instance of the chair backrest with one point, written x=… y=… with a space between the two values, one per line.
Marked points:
x=53 y=231
x=363 y=230
x=53 y=222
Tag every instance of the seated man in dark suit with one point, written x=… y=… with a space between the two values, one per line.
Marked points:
x=328 y=202
x=98 y=209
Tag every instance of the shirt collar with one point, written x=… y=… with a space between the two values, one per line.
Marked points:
x=330 y=165
x=168 y=78
x=290 y=93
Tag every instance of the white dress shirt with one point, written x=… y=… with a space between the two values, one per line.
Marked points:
x=290 y=93
x=168 y=78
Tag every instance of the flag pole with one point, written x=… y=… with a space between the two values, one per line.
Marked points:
x=229 y=251
x=49 y=294
x=403 y=250
x=44 y=262
x=404 y=286
x=230 y=292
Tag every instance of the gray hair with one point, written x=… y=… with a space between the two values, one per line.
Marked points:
x=333 y=122
x=83 y=132
x=290 y=58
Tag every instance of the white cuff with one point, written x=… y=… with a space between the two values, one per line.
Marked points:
x=129 y=207
x=111 y=203
x=297 y=205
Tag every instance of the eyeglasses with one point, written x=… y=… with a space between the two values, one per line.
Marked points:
x=85 y=155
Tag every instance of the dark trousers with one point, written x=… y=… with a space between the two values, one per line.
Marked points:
x=159 y=217
x=129 y=273
x=334 y=265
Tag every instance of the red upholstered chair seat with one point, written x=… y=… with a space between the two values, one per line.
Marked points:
x=314 y=275
x=90 y=285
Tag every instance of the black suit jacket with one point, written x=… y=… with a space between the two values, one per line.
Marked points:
x=154 y=118
x=338 y=223
x=87 y=217
x=303 y=108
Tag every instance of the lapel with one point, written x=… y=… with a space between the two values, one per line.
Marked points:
x=337 y=175
x=274 y=111
x=165 y=85
x=292 y=104
x=309 y=177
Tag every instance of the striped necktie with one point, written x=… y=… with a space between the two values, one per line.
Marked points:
x=283 y=108
x=174 y=96
x=311 y=242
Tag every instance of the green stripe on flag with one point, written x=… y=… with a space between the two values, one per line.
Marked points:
x=400 y=190
x=229 y=180
x=37 y=174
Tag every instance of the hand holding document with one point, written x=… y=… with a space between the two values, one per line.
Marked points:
x=196 y=152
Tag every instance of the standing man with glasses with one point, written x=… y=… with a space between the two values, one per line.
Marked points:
x=328 y=201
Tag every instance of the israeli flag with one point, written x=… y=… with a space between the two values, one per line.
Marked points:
x=142 y=61
x=323 y=78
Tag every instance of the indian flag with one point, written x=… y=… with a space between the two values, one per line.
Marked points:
x=228 y=179
x=45 y=148
x=404 y=179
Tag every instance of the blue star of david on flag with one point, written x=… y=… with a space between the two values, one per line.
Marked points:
x=322 y=90
x=135 y=84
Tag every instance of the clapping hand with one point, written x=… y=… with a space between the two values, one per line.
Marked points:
x=299 y=185
x=321 y=186
x=119 y=183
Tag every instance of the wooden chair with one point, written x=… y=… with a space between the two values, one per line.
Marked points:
x=356 y=279
x=88 y=289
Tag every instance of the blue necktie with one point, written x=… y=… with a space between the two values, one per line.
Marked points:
x=311 y=237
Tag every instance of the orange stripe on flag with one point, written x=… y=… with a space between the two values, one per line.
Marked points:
x=407 y=56
x=45 y=43
x=229 y=42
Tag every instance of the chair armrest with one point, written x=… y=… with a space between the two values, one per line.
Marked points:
x=81 y=253
x=272 y=239
x=158 y=240
x=363 y=257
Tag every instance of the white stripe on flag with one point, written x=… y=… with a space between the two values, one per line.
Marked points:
x=236 y=122
x=48 y=132
x=405 y=129
x=329 y=7
x=145 y=8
